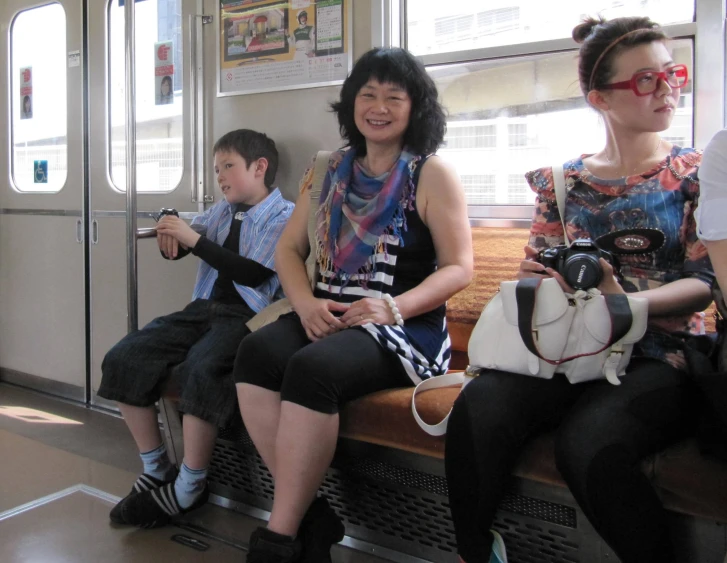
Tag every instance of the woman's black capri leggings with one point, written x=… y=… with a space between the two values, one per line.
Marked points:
x=320 y=375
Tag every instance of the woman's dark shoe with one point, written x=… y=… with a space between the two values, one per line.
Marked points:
x=143 y=483
x=267 y=546
x=320 y=529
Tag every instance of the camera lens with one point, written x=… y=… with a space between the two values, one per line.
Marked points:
x=582 y=271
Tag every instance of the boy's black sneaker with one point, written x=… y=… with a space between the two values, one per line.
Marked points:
x=156 y=507
x=145 y=482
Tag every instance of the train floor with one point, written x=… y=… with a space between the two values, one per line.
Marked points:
x=63 y=466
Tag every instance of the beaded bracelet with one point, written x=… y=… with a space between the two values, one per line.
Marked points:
x=394 y=309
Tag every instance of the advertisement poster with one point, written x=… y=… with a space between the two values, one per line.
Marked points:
x=26 y=92
x=164 y=72
x=268 y=45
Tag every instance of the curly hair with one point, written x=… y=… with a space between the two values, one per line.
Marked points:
x=603 y=40
x=427 y=122
x=251 y=146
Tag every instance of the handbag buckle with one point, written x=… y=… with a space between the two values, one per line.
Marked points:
x=610 y=367
x=472 y=371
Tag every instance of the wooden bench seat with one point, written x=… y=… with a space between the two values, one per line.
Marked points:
x=687 y=481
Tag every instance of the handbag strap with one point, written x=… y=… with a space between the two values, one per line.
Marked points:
x=560 y=197
x=617 y=305
x=319 y=175
x=282 y=306
x=446 y=380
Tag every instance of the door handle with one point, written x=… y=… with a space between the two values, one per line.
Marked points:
x=94 y=232
x=79 y=231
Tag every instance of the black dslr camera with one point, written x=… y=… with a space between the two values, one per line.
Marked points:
x=578 y=264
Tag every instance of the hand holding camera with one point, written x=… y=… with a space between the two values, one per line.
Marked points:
x=581 y=266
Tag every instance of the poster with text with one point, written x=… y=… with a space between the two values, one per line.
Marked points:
x=26 y=92
x=164 y=72
x=268 y=45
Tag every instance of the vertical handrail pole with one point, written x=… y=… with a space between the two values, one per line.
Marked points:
x=172 y=428
x=132 y=286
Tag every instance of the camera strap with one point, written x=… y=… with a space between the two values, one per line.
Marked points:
x=618 y=307
x=560 y=197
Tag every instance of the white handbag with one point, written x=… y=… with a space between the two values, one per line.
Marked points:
x=531 y=327
x=544 y=331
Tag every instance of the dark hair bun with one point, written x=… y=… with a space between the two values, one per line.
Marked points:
x=585 y=28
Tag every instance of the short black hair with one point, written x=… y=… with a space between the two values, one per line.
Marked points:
x=427 y=123
x=251 y=146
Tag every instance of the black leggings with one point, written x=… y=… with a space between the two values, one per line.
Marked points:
x=318 y=375
x=604 y=432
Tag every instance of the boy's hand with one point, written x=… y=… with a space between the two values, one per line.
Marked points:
x=179 y=230
x=168 y=245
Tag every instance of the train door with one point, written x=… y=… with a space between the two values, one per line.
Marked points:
x=169 y=167
x=42 y=311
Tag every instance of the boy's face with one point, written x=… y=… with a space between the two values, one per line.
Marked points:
x=239 y=182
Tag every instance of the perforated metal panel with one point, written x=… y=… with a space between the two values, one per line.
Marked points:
x=401 y=508
x=530 y=540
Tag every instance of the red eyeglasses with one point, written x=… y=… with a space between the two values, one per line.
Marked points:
x=647 y=82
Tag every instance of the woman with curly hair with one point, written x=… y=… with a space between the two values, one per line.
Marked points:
x=392 y=245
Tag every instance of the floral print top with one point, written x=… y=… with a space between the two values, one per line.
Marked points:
x=657 y=199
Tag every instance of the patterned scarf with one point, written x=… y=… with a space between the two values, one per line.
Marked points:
x=356 y=210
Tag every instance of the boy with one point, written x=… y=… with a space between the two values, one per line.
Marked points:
x=236 y=240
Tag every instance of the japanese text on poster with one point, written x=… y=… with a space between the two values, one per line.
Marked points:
x=273 y=45
x=164 y=72
x=26 y=92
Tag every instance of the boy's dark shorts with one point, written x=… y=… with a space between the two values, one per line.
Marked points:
x=195 y=348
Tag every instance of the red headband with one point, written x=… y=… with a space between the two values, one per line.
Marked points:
x=607 y=49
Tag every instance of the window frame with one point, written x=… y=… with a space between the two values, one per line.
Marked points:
x=709 y=53
x=121 y=188
x=12 y=83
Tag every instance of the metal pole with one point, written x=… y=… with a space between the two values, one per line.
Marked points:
x=131 y=259
x=170 y=416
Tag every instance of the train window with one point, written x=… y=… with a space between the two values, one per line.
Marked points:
x=441 y=27
x=507 y=75
x=535 y=116
x=38 y=116
x=159 y=103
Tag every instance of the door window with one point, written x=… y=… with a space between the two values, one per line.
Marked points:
x=38 y=115
x=159 y=103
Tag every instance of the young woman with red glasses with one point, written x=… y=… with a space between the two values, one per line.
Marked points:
x=603 y=431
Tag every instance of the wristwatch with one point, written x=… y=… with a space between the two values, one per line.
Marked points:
x=166 y=211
